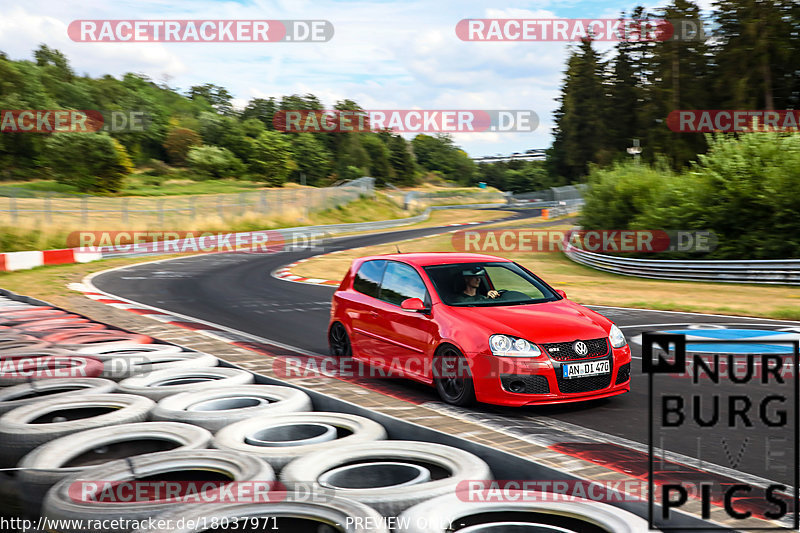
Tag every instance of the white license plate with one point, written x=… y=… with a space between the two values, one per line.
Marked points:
x=590 y=368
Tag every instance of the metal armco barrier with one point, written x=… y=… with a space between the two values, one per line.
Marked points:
x=779 y=272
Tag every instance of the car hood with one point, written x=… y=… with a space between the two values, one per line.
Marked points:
x=559 y=321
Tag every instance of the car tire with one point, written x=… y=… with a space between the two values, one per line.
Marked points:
x=46 y=465
x=455 y=389
x=452 y=466
x=162 y=383
x=34 y=391
x=132 y=364
x=437 y=515
x=19 y=434
x=350 y=429
x=287 y=516
x=60 y=505
x=216 y=408
x=339 y=341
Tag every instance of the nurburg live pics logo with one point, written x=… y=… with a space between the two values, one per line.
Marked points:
x=761 y=404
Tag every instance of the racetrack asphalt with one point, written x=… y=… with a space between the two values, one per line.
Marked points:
x=238 y=291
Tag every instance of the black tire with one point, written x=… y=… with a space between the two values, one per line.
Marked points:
x=34 y=391
x=339 y=341
x=213 y=409
x=452 y=377
x=61 y=504
x=51 y=462
x=24 y=428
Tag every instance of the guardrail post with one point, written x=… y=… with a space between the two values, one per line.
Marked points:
x=12 y=206
x=220 y=209
x=49 y=207
x=84 y=209
x=161 y=212
x=125 y=210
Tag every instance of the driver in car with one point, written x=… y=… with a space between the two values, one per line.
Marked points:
x=472 y=280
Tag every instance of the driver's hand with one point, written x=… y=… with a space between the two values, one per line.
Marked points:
x=493 y=294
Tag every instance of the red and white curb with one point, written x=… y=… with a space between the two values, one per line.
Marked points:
x=10 y=261
x=285 y=273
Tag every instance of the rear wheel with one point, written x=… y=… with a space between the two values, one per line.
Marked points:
x=339 y=341
x=452 y=377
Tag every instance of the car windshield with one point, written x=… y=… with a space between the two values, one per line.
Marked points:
x=470 y=284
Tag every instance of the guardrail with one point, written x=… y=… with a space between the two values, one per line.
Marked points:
x=777 y=272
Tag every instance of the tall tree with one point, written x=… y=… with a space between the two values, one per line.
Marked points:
x=754 y=39
x=579 y=133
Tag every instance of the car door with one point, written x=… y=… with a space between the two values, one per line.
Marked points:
x=405 y=335
x=362 y=311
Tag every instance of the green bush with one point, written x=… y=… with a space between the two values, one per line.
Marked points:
x=214 y=162
x=91 y=162
x=743 y=190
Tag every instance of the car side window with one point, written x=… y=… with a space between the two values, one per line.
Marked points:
x=368 y=277
x=400 y=282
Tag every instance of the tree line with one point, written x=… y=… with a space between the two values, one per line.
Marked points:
x=202 y=131
x=748 y=61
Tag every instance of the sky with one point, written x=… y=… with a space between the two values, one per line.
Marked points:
x=385 y=54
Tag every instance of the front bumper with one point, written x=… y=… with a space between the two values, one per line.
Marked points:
x=515 y=381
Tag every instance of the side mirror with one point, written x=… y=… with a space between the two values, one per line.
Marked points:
x=414 y=304
x=561 y=293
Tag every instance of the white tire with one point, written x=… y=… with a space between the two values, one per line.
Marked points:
x=284 y=516
x=390 y=475
x=162 y=383
x=49 y=463
x=216 y=408
x=435 y=516
x=34 y=391
x=130 y=364
x=121 y=349
x=286 y=432
x=24 y=428
x=61 y=503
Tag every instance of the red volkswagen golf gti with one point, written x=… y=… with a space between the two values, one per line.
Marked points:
x=477 y=327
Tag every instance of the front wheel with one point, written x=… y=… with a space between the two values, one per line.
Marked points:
x=453 y=378
x=339 y=341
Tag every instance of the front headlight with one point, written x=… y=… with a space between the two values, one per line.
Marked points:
x=616 y=337
x=508 y=346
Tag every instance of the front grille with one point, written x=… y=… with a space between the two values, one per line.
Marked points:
x=565 y=351
x=587 y=384
x=624 y=373
x=525 y=384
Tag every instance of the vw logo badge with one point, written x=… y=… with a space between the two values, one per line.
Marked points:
x=580 y=348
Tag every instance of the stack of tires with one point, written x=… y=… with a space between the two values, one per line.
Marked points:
x=135 y=412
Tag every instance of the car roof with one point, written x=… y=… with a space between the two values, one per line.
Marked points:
x=437 y=258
